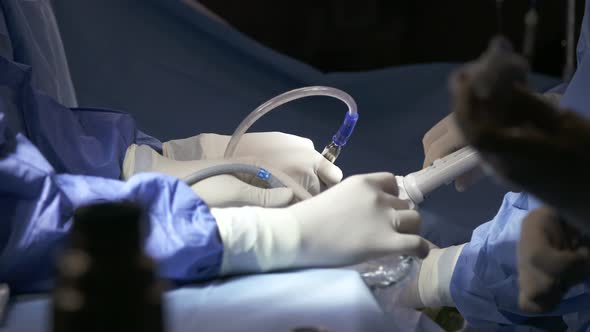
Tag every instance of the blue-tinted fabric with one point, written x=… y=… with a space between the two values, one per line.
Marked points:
x=75 y=141
x=37 y=205
x=64 y=159
x=336 y=300
x=36 y=41
x=5 y=43
x=484 y=284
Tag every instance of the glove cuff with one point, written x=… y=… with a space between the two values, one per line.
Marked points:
x=129 y=162
x=434 y=279
x=257 y=239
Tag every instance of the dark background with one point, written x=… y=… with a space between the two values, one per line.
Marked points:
x=341 y=35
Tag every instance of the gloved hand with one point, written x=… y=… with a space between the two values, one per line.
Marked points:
x=357 y=220
x=292 y=155
x=361 y=219
x=216 y=191
x=525 y=140
x=432 y=286
x=443 y=139
x=550 y=260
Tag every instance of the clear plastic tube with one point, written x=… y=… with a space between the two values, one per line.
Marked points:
x=274 y=178
x=338 y=140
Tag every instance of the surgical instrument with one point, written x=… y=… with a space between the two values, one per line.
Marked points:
x=415 y=186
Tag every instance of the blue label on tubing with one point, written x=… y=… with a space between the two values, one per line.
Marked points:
x=263 y=174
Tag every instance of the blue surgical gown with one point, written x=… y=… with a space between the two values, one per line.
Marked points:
x=484 y=285
x=54 y=159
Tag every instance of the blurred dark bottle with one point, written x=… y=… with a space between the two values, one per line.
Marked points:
x=104 y=280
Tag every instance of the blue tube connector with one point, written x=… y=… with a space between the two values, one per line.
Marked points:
x=345 y=131
x=332 y=150
x=263 y=174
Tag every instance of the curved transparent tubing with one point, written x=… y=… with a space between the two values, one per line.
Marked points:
x=283 y=99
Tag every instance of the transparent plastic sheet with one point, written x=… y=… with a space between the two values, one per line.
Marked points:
x=387 y=277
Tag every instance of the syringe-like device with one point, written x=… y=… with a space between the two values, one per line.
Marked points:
x=415 y=186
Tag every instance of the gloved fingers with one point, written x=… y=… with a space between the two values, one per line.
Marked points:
x=285 y=139
x=407 y=221
x=393 y=203
x=409 y=244
x=435 y=133
x=210 y=146
x=229 y=191
x=199 y=147
x=329 y=173
x=253 y=142
x=384 y=181
x=442 y=147
x=471 y=177
x=271 y=198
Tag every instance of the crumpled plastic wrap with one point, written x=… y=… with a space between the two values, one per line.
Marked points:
x=387 y=277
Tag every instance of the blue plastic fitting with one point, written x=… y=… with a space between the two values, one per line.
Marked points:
x=345 y=131
x=263 y=174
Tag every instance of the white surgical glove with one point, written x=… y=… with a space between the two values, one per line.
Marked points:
x=290 y=154
x=357 y=220
x=216 y=191
x=443 y=139
x=432 y=286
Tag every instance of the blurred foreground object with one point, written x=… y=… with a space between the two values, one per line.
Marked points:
x=551 y=259
x=525 y=140
x=105 y=282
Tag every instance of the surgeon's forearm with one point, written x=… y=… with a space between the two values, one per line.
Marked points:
x=182 y=235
